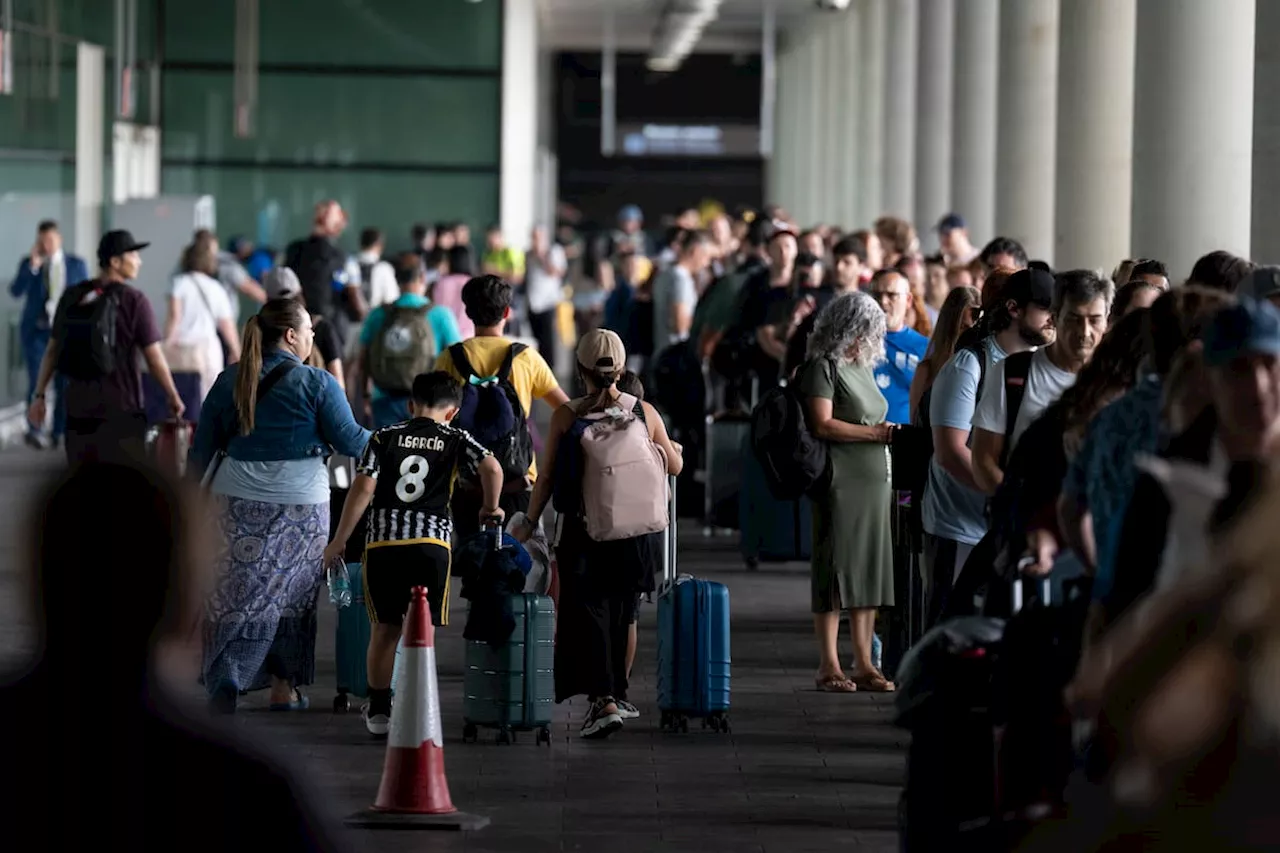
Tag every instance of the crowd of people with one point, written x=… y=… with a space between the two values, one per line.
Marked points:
x=1106 y=430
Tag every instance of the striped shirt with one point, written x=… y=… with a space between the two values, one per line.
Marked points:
x=416 y=464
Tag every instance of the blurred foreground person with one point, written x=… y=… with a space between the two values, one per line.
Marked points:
x=148 y=772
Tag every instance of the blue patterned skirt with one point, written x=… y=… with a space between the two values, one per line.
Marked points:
x=261 y=619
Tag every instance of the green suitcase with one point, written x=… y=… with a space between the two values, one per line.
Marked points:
x=512 y=688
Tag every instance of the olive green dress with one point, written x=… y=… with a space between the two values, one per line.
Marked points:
x=852 y=540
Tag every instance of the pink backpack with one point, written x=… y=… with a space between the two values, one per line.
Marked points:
x=448 y=292
x=624 y=485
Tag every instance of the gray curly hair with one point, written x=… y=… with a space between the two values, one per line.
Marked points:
x=851 y=322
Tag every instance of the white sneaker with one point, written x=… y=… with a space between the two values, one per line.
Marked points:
x=626 y=710
x=377 y=724
x=599 y=724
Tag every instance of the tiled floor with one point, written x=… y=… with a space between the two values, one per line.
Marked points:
x=801 y=770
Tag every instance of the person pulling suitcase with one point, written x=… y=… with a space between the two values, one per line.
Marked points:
x=405 y=482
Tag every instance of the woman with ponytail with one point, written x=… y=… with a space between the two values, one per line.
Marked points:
x=265 y=432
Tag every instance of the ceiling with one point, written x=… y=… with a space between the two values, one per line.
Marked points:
x=579 y=24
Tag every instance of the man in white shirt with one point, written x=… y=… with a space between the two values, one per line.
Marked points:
x=42 y=277
x=953 y=239
x=1081 y=305
x=675 y=291
x=377 y=277
x=545 y=268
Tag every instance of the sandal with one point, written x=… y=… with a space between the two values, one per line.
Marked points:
x=873 y=682
x=834 y=684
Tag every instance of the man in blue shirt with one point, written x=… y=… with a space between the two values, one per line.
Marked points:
x=391 y=406
x=42 y=278
x=903 y=347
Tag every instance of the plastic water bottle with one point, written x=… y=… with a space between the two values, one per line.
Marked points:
x=339 y=584
x=877 y=650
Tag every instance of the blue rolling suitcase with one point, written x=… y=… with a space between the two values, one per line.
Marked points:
x=351 y=644
x=693 y=645
x=772 y=531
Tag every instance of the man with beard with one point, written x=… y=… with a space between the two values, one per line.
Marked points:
x=953 y=512
x=1081 y=305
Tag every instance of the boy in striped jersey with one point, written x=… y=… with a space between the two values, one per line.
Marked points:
x=405 y=480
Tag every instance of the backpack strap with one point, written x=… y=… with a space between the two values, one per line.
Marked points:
x=504 y=372
x=461 y=363
x=274 y=375
x=1017 y=368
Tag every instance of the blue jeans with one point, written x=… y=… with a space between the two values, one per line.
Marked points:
x=34 y=344
x=389 y=410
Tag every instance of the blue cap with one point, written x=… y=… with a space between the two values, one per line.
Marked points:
x=950 y=222
x=631 y=213
x=1249 y=327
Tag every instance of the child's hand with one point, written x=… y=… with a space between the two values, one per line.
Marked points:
x=333 y=553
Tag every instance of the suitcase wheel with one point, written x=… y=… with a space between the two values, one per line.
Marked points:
x=341 y=703
x=506 y=737
x=544 y=736
x=753 y=563
x=718 y=722
x=469 y=733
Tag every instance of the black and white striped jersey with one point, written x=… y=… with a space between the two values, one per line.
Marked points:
x=416 y=464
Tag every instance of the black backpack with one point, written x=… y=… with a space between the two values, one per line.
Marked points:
x=795 y=462
x=87 y=348
x=492 y=412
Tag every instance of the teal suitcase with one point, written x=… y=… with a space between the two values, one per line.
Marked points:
x=351 y=645
x=512 y=688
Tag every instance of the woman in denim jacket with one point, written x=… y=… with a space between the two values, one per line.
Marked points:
x=267 y=427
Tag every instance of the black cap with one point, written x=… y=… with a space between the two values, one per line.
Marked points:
x=1030 y=286
x=950 y=222
x=116 y=243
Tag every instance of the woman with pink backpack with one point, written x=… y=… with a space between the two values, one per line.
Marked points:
x=608 y=458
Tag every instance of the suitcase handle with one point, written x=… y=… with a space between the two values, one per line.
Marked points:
x=494 y=524
x=669 y=542
x=1046 y=587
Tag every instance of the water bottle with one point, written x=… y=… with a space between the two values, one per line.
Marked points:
x=877 y=650
x=339 y=584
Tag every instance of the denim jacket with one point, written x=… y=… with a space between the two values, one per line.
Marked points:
x=304 y=415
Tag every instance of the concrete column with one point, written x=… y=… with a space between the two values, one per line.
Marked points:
x=1266 y=136
x=900 y=108
x=518 y=184
x=1193 y=130
x=815 y=55
x=1026 y=160
x=934 y=117
x=849 y=117
x=977 y=108
x=833 y=130
x=1095 y=133
x=871 y=161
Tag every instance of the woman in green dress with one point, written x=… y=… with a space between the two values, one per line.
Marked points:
x=852 y=566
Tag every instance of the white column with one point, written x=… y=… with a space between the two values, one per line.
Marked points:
x=1026 y=143
x=900 y=109
x=1193 y=130
x=832 y=131
x=518 y=185
x=815 y=58
x=934 y=117
x=849 y=118
x=1095 y=133
x=871 y=161
x=1266 y=137
x=973 y=153
x=90 y=186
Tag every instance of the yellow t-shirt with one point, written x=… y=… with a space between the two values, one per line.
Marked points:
x=530 y=375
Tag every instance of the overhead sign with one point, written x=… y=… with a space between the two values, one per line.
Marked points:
x=689 y=140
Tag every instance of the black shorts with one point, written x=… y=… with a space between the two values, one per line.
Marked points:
x=391 y=571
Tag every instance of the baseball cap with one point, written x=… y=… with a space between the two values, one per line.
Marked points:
x=116 y=243
x=1030 y=287
x=601 y=351
x=1248 y=327
x=281 y=283
x=950 y=222
x=1262 y=283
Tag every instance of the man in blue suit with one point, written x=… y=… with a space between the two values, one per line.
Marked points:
x=42 y=278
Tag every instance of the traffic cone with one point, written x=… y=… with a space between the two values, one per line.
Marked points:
x=414 y=793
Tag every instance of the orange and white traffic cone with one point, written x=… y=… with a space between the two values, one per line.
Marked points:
x=414 y=793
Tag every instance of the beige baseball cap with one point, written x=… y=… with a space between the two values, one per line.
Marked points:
x=601 y=351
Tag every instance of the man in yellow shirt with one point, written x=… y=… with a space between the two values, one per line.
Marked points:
x=487 y=300
x=499 y=258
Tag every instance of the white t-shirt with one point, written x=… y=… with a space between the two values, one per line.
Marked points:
x=543 y=290
x=1045 y=384
x=383 y=289
x=198 y=323
x=671 y=287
